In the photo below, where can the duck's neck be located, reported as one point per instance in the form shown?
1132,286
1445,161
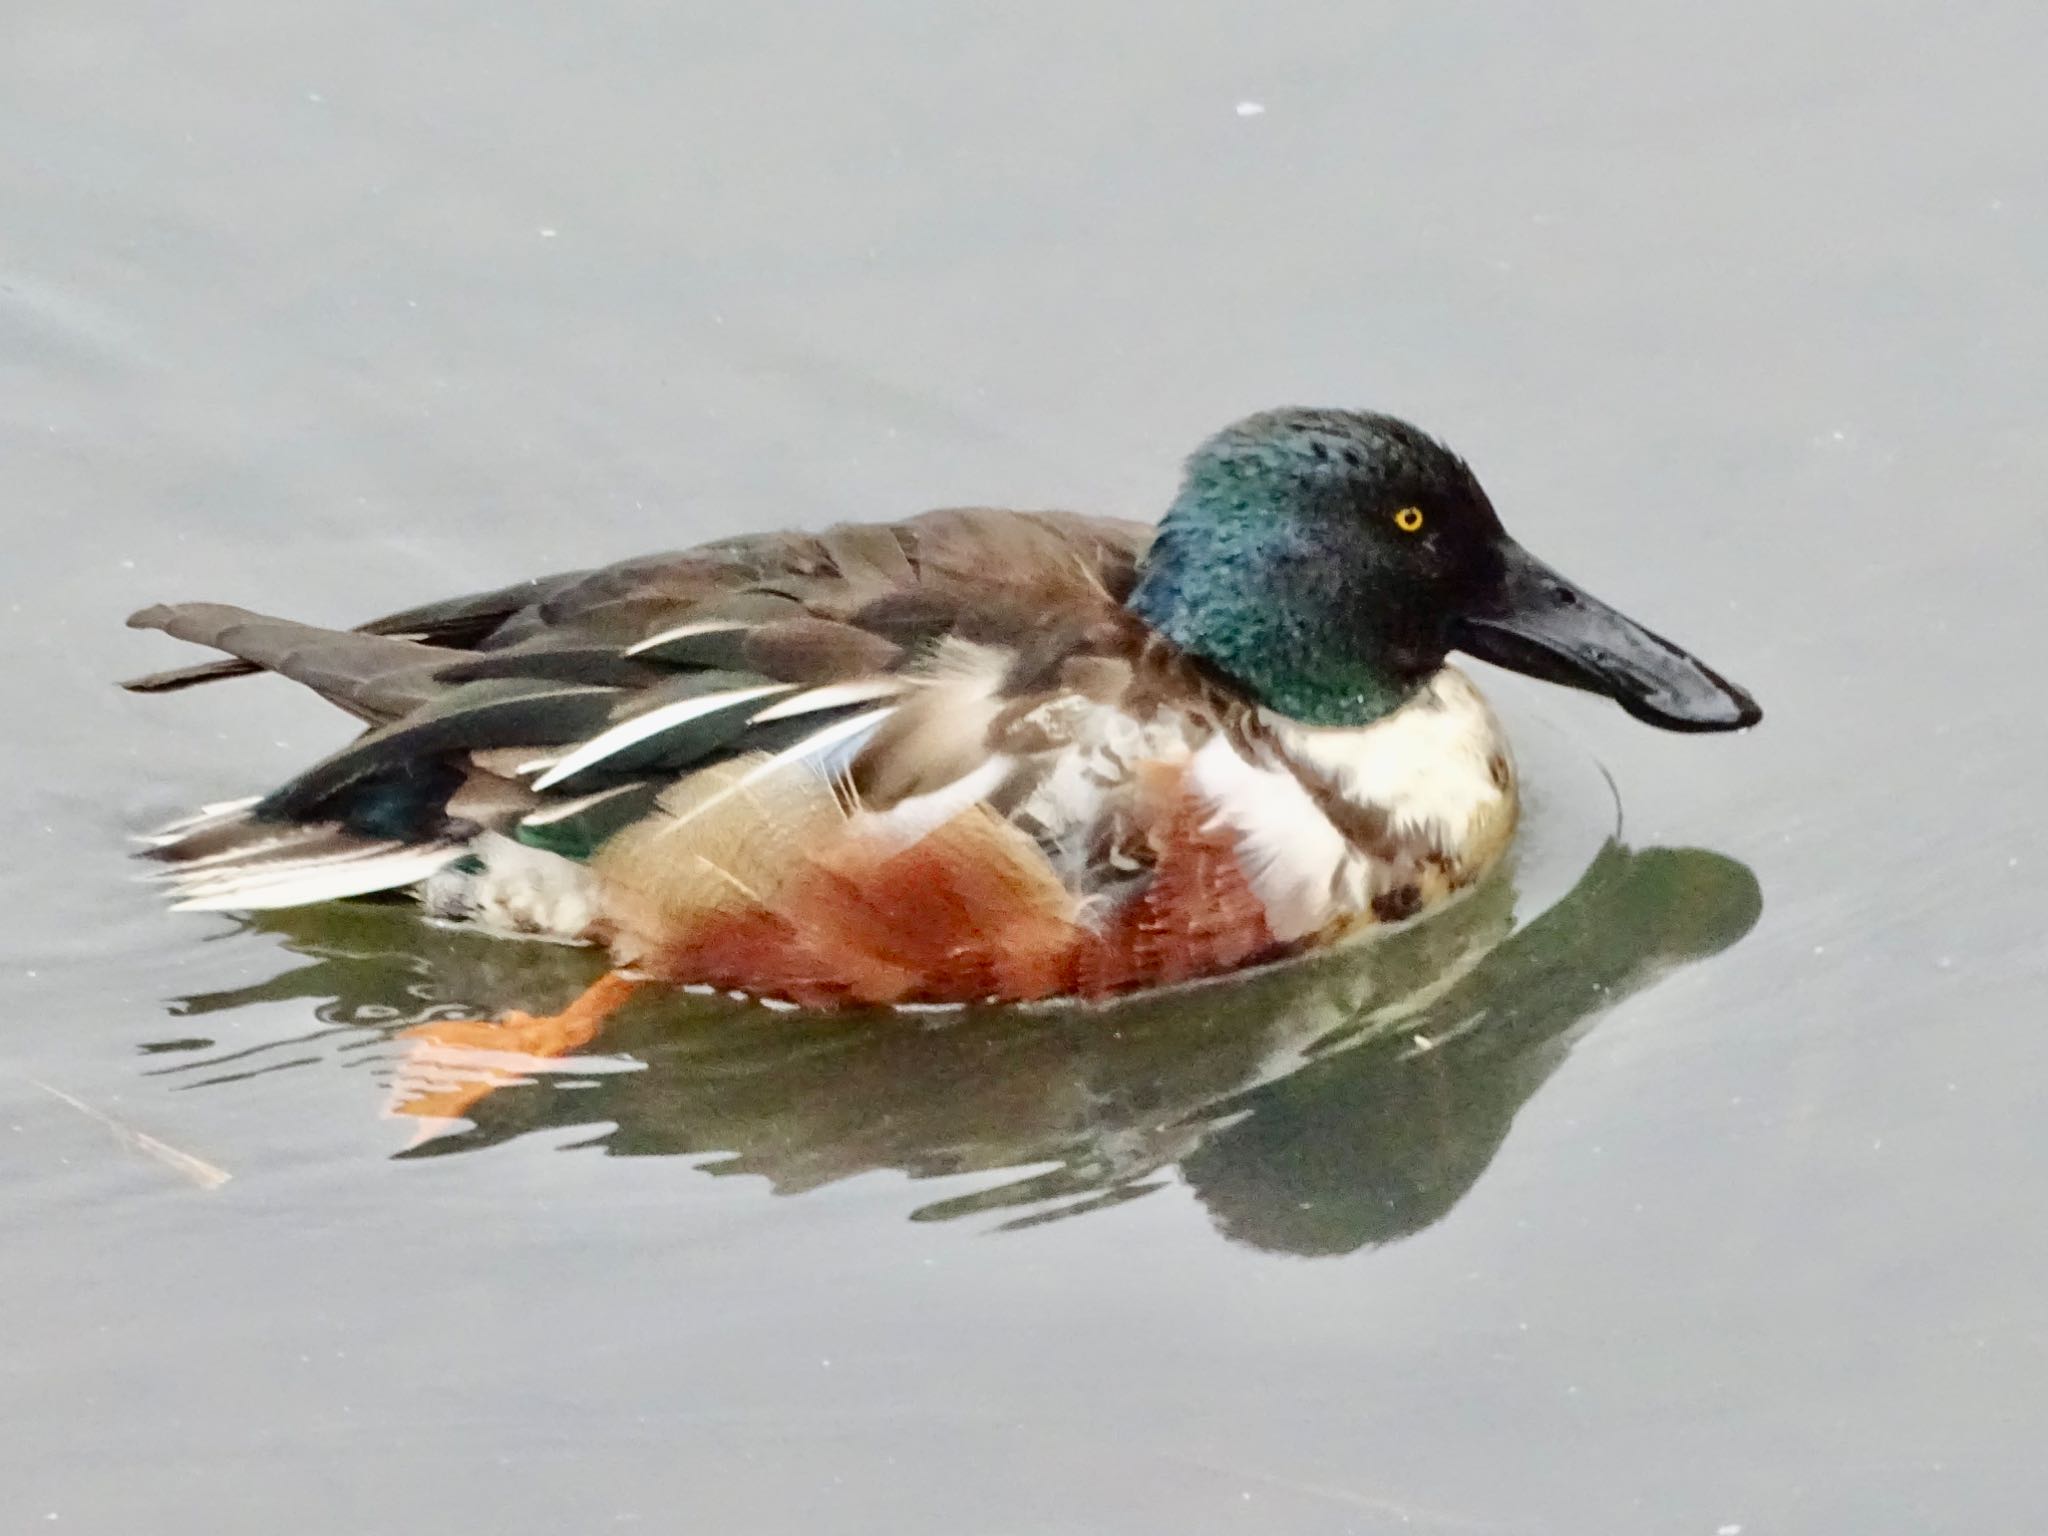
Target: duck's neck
1270,615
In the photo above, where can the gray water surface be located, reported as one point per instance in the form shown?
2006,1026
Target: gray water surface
1684,1180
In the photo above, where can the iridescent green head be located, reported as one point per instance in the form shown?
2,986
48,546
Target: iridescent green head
1328,561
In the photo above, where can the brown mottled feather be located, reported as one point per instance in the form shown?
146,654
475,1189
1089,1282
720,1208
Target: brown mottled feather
970,911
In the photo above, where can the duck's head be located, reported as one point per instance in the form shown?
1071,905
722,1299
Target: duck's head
1328,561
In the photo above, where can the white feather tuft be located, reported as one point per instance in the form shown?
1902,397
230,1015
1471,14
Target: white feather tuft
919,815
522,891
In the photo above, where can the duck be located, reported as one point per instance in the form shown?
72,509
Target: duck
973,756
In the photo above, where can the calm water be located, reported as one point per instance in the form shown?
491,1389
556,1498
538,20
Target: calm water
1686,1180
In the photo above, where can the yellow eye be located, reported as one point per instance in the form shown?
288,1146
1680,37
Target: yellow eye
1408,519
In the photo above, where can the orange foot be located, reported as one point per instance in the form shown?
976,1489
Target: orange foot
456,1062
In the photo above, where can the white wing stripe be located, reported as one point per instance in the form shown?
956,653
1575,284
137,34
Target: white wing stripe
630,733
547,816
686,632
831,696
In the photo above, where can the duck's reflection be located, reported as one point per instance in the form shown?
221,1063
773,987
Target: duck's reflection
1316,1108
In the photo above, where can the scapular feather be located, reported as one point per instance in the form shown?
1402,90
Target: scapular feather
672,735
600,665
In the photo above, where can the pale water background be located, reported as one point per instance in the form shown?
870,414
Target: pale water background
1740,312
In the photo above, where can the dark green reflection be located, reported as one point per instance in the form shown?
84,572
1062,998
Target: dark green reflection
1314,1108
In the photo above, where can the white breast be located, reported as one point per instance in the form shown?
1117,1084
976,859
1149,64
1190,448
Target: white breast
1435,773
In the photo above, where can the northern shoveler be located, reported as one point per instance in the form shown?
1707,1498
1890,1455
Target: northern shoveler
973,755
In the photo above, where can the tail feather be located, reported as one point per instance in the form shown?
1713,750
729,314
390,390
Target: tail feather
375,677
235,861
206,816
456,624
382,867
176,678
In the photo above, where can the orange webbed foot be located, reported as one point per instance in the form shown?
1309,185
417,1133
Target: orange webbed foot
451,1064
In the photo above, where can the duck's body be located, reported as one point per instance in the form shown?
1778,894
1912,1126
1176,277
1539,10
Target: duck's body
931,761
977,754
